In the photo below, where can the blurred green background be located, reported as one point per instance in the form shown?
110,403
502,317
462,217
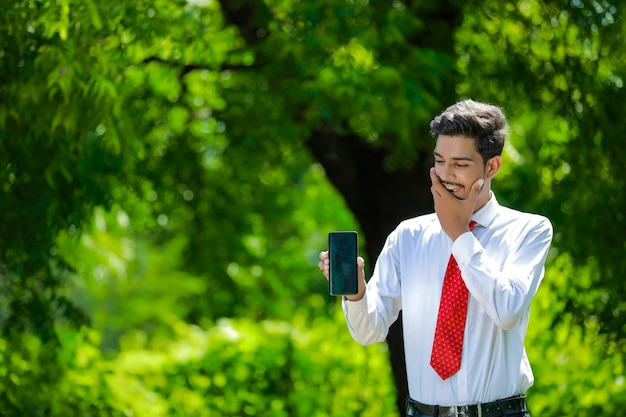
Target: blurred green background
170,169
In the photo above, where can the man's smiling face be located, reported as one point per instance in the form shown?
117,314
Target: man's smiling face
459,165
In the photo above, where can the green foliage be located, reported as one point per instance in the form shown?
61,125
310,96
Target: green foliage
126,280
230,368
346,68
161,218
572,363
558,72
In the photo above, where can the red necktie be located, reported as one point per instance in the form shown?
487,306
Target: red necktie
448,344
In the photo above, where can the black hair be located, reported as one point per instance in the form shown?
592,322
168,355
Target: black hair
480,121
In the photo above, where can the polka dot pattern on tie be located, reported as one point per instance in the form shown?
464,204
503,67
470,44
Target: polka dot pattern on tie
448,342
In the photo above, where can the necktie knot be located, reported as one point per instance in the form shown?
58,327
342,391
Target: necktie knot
472,225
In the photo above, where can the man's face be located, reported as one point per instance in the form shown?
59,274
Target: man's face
459,165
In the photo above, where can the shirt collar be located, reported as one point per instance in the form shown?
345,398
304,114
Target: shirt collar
487,214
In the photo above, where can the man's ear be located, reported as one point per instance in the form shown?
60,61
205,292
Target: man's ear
493,166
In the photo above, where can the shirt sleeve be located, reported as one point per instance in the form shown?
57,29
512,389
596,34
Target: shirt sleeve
369,318
505,290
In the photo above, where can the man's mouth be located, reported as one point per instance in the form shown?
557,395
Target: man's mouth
453,188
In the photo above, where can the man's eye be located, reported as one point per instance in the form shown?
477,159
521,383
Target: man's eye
438,161
461,165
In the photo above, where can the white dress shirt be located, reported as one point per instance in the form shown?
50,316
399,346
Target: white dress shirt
502,264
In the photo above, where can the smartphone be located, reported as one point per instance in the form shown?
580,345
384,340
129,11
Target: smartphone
342,247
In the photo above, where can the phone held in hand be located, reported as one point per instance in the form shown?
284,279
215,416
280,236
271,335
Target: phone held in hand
342,247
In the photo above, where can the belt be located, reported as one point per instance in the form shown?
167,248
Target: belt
505,407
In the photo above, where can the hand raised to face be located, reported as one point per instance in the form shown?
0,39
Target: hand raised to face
454,214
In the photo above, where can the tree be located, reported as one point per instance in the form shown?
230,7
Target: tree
198,122
366,78
563,69
113,108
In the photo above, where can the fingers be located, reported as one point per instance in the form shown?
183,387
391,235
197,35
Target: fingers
362,285
476,187
436,187
360,263
324,263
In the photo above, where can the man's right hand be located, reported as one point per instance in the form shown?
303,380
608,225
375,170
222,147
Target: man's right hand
324,265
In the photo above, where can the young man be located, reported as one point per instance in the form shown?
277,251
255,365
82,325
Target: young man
463,335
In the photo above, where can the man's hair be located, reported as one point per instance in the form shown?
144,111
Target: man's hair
480,121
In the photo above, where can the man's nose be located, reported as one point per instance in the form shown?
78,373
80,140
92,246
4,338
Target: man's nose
446,173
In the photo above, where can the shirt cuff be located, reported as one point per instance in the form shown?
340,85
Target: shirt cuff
355,306
464,247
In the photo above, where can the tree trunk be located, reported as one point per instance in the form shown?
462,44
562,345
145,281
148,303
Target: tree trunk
379,201
378,197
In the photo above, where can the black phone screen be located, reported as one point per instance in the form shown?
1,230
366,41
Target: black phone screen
342,248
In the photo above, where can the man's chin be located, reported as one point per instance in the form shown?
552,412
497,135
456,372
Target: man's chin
460,195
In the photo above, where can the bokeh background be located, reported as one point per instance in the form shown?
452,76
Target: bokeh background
170,169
